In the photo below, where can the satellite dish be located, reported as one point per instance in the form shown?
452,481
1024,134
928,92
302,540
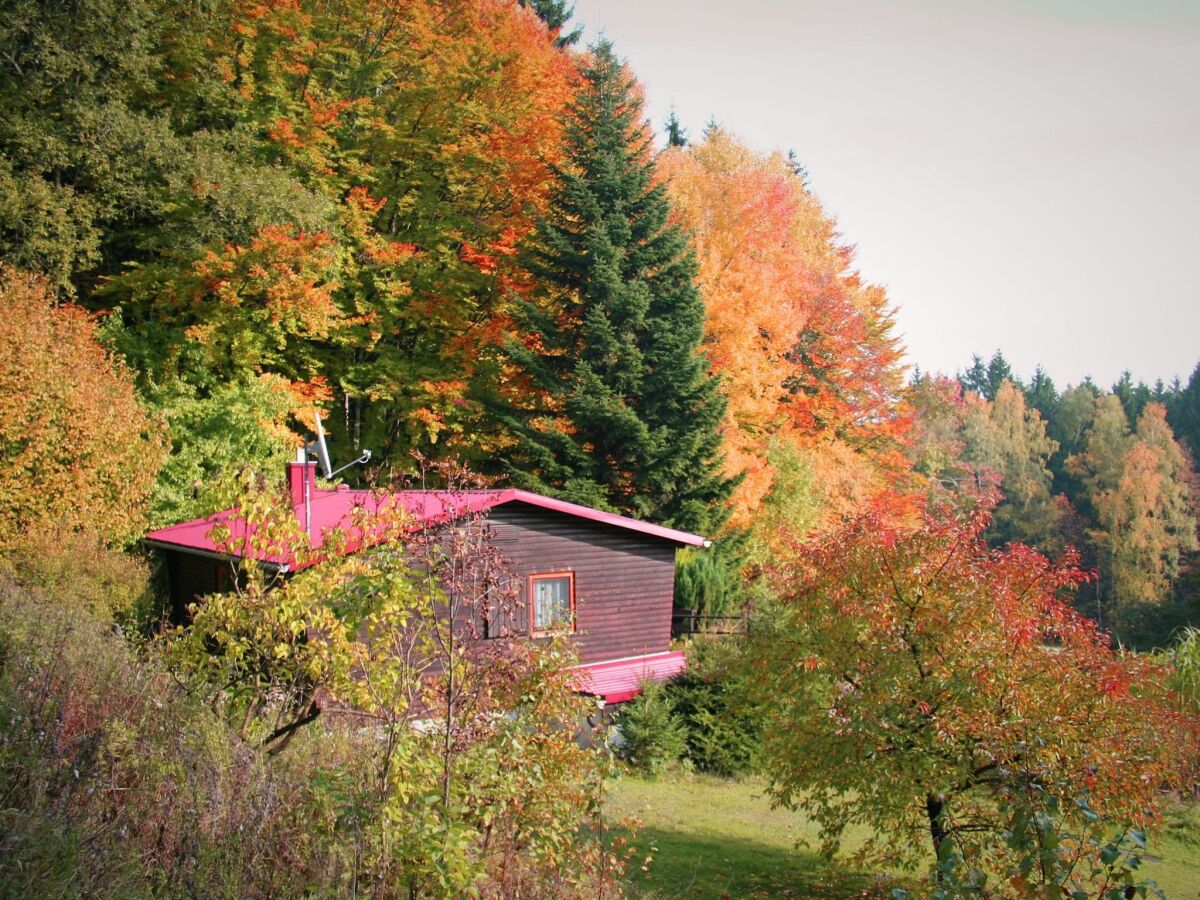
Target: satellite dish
323,451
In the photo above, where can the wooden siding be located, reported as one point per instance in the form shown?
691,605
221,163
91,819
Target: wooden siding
624,581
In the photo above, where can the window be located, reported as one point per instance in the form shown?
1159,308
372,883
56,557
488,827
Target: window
552,603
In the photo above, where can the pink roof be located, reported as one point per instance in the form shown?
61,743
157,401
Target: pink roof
622,679
329,510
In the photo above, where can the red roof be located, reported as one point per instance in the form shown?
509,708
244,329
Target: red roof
622,679
329,510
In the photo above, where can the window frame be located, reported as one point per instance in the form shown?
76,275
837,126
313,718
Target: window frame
569,628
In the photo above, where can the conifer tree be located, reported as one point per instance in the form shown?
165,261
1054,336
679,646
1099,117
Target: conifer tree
556,13
1183,412
676,133
621,411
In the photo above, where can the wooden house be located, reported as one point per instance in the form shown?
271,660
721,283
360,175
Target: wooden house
606,580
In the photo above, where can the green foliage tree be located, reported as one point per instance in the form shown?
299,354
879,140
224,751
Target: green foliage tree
676,133
619,409
236,425
84,138
1133,397
706,584
722,731
1183,412
986,380
1042,395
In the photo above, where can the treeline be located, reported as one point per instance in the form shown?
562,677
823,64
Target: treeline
1093,470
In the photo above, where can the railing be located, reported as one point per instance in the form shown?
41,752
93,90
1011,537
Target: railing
686,622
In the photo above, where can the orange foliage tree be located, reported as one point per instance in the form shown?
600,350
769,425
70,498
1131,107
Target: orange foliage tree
413,141
803,346
77,452
942,694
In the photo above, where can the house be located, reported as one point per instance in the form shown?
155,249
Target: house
607,579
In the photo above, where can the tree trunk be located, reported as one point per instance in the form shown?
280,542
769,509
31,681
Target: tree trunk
934,804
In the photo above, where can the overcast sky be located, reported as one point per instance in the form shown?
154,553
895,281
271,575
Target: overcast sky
1019,174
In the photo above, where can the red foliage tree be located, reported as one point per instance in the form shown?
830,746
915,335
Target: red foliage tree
934,690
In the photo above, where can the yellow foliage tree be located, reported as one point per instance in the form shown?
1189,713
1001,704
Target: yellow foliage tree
77,452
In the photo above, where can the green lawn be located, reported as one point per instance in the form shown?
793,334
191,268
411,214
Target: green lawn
718,838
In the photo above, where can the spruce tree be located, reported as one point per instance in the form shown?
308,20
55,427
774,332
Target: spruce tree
556,14
619,410
676,133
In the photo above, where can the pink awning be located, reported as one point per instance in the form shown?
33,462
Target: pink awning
622,679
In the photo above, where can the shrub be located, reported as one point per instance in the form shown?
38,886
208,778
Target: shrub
78,565
721,730
707,583
652,734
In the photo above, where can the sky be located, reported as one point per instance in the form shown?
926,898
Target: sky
1019,175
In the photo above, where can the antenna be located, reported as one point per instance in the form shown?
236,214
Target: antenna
322,451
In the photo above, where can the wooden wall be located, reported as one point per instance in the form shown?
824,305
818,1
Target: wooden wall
624,581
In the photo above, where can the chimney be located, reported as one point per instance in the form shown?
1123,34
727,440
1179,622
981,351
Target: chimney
299,472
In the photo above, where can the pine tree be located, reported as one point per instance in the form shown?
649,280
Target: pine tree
798,168
975,377
625,414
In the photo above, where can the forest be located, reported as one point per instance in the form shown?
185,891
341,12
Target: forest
447,227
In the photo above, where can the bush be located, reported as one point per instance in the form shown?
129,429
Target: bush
722,733
122,778
707,582
116,784
79,566
652,734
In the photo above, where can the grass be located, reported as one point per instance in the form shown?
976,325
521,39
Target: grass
1174,857
711,838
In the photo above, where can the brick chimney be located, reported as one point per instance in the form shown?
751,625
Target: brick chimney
299,472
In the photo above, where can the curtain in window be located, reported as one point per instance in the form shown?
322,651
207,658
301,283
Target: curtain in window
551,603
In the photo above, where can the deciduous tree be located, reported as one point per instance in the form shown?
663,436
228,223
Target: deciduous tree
936,691
77,451
804,348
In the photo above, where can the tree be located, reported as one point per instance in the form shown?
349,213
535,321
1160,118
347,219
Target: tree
1145,523
939,693
556,14
1133,397
1010,438
805,349
676,133
614,404
1183,412
1073,417
1138,497
77,451
1041,394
